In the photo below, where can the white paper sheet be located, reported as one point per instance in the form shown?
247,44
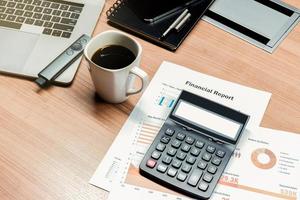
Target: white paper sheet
265,166
120,164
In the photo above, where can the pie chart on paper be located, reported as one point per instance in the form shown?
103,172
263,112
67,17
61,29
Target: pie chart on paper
263,158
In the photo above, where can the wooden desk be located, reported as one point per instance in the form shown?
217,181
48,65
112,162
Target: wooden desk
52,141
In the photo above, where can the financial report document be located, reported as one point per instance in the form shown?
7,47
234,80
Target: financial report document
121,163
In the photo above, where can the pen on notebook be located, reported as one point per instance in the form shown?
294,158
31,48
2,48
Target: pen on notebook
175,23
183,22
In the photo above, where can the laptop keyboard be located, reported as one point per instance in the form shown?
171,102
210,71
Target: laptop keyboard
51,17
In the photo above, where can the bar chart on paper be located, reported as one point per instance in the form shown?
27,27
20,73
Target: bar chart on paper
166,98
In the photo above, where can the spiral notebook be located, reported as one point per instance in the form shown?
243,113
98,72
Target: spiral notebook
125,15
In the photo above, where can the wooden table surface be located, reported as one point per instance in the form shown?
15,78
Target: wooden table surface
52,141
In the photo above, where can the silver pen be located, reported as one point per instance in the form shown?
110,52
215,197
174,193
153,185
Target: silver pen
175,23
183,22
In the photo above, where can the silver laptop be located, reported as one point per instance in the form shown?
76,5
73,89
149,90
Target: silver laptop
34,32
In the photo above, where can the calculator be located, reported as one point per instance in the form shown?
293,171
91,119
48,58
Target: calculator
194,145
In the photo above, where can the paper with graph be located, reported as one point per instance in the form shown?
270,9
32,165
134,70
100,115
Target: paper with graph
120,164
265,166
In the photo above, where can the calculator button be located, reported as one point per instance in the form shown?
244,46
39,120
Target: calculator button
181,156
195,177
155,155
216,161
195,151
171,151
167,159
220,153
172,172
203,186
207,177
189,140
176,144
181,176
206,157
202,164
212,169
151,163
180,136
191,160
160,147
162,168
186,168
199,144
165,139
210,149
185,147
176,163
169,132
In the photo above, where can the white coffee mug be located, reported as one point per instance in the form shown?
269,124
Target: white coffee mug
115,85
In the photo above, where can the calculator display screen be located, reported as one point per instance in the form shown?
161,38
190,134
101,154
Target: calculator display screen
207,119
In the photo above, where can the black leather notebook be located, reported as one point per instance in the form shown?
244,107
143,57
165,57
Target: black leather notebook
130,16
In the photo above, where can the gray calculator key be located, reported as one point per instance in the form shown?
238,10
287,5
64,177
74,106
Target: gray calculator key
176,143
181,176
180,136
172,172
181,155
186,168
160,147
169,132
167,159
199,144
207,177
216,161
155,155
220,153
195,177
212,169
162,168
210,149
176,163
203,186
185,147
206,157
202,164
195,151
165,139
191,160
171,151
189,140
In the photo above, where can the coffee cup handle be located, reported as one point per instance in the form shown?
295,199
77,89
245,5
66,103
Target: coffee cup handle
144,78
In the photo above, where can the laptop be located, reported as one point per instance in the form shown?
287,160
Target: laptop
34,32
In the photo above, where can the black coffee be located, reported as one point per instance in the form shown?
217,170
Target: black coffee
113,57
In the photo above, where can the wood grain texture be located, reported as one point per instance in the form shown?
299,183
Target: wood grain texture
52,141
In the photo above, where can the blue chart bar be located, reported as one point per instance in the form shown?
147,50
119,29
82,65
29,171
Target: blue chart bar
171,103
161,101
